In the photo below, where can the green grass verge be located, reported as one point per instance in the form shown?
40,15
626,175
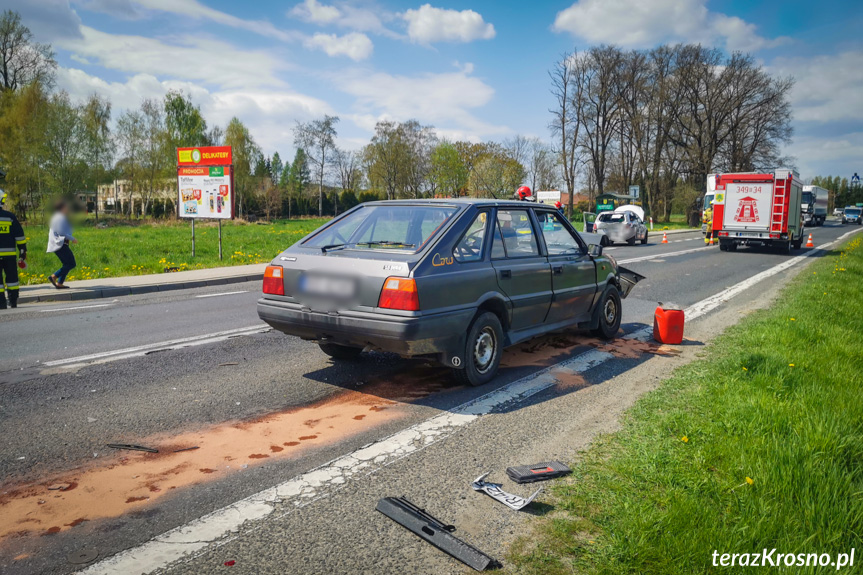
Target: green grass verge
758,445
131,248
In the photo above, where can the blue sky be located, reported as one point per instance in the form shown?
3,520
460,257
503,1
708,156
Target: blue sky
474,70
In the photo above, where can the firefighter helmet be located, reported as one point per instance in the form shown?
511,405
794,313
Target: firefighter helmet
523,193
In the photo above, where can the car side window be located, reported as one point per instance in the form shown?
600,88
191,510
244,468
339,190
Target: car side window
517,233
497,251
469,248
558,239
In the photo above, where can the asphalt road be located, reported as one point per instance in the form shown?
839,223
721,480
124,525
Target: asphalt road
264,408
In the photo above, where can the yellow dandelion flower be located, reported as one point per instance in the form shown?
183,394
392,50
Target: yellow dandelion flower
684,439
750,481
790,365
744,369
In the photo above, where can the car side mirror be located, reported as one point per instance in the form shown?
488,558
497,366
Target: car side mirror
594,250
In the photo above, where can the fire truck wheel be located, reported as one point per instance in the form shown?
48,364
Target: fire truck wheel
723,247
798,244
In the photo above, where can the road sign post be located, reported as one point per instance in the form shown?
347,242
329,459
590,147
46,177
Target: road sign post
205,186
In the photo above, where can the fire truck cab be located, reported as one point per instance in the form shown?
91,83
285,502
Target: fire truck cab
760,209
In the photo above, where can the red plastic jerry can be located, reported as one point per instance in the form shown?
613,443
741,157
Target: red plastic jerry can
668,324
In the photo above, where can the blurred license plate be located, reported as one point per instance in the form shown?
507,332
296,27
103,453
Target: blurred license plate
340,288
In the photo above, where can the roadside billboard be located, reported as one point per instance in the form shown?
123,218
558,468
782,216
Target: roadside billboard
205,183
548,197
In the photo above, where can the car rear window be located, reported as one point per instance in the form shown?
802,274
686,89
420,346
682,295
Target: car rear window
611,218
399,227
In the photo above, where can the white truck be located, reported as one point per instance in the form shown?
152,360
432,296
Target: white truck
758,209
814,205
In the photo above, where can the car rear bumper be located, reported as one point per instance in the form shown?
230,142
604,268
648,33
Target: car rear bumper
439,334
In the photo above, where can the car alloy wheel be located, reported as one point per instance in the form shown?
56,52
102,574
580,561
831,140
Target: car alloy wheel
484,349
610,311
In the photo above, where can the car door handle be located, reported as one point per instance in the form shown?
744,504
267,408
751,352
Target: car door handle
505,274
557,270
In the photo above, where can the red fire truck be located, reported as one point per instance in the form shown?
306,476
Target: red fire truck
758,209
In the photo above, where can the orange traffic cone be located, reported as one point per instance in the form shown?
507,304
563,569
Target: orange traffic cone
664,238
809,243
712,240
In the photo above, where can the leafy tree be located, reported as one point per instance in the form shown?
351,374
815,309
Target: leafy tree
295,178
276,169
184,123
245,153
23,61
448,171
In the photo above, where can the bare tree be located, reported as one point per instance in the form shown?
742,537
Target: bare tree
23,61
600,115
349,172
567,87
318,139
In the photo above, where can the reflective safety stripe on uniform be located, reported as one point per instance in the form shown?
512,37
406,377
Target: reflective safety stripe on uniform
11,286
21,240
12,253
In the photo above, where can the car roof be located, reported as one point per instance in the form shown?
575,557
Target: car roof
461,201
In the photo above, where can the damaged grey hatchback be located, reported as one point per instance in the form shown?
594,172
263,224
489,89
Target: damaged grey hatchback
452,280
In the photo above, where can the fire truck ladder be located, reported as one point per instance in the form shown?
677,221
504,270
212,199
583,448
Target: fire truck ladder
780,206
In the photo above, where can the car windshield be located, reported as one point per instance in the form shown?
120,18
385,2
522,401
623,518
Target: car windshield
612,218
708,199
399,227
852,212
807,197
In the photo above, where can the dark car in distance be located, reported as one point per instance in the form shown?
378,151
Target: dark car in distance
452,280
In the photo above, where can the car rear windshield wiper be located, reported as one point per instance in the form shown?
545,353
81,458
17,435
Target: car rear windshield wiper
386,243
331,247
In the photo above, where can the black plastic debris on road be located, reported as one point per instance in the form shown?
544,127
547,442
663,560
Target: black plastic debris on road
537,471
132,447
434,531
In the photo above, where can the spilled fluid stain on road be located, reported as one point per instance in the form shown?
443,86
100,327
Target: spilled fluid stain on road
133,481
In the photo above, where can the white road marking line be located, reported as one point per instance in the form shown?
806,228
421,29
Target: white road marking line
223,293
668,255
192,539
77,307
107,356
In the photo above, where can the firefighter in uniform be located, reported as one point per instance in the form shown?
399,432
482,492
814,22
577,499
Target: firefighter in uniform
708,220
12,242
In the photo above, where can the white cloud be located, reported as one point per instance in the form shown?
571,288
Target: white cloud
347,16
314,11
635,23
442,100
195,10
827,87
270,114
195,58
355,45
428,24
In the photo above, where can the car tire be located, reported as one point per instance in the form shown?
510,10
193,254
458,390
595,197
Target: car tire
644,241
609,310
631,241
340,352
604,241
483,350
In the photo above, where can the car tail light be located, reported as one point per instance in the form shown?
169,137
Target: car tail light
400,293
274,281
723,234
